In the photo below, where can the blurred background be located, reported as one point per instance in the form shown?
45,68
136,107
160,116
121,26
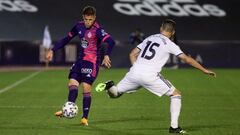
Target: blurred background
208,30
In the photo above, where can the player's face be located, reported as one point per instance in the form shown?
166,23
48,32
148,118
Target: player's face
89,20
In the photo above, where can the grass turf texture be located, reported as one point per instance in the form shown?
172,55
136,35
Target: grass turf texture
210,106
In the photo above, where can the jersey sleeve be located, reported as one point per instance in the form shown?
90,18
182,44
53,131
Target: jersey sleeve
102,35
105,37
141,45
73,31
61,43
174,49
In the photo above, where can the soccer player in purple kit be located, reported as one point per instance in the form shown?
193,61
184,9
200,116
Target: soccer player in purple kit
85,70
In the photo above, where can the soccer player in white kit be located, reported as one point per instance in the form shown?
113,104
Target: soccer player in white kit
147,60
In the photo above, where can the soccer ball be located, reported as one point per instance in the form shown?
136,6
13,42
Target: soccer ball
69,110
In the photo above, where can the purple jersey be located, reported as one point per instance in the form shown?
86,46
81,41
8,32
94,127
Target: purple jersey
85,69
91,39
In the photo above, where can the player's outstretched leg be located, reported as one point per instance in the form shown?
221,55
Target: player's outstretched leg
104,86
109,84
110,88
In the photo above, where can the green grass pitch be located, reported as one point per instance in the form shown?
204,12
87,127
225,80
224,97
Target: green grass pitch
210,106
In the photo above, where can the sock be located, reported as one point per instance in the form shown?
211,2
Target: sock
86,104
113,91
175,108
73,93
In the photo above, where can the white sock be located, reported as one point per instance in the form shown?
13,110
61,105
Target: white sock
114,91
175,108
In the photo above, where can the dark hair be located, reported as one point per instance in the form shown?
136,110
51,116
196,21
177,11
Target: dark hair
89,10
169,25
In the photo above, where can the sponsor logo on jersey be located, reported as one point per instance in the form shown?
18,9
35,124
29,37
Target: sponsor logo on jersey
178,8
103,33
86,70
17,6
84,43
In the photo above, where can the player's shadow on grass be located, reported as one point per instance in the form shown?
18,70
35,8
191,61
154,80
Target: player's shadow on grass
100,130
141,119
122,120
105,127
115,131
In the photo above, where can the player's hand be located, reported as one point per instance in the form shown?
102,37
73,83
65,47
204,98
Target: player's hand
208,72
106,61
49,55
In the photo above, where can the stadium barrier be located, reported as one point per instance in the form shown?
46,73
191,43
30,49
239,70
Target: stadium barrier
214,54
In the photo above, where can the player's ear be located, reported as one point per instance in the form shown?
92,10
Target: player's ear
173,32
94,17
161,29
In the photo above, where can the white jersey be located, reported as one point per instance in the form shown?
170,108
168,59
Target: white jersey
155,51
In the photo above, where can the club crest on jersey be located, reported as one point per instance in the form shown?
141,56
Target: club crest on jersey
84,43
89,35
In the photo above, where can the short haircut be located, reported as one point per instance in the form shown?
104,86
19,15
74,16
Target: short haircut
169,25
89,10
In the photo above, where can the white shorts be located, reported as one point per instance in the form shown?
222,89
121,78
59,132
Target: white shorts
154,83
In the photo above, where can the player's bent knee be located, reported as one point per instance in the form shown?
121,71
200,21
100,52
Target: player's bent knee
73,82
176,93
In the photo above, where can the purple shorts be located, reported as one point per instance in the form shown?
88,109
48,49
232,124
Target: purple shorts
84,71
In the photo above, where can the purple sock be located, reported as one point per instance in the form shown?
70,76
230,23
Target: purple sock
73,93
86,104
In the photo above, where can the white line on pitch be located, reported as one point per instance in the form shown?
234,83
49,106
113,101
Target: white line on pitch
28,107
19,82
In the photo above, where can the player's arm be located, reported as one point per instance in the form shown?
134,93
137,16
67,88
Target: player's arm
60,44
106,38
134,54
106,60
189,60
